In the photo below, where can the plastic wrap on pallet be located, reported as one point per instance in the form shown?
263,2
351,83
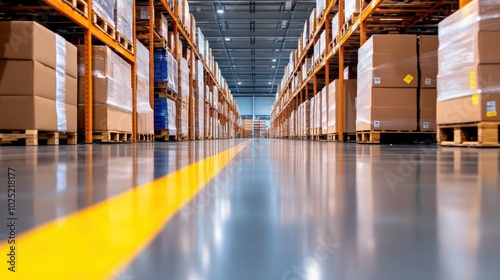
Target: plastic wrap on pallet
172,116
61,84
166,69
161,114
184,119
184,79
105,9
216,98
200,101
322,43
472,35
324,110
200,42
320,6
388,61
113,72
161,26
305,34
335,26
145,114
352,7
312,22
124,18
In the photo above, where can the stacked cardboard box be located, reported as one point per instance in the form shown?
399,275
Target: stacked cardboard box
387,83
145,115
349,106
247,127
428,68
320,6
199,111
183,109
124,18
38,72
112,91
469,65
324,111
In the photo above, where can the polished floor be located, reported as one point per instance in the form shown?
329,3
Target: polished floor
273,209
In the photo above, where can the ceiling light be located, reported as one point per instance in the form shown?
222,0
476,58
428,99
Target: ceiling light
227,39
391,19
273,66
239,83
270,83
220,9
274,59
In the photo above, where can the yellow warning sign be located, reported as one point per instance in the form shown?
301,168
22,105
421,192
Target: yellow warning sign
408,79
475,99
472,79
491,114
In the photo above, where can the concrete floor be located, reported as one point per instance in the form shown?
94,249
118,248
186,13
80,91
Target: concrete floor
285,209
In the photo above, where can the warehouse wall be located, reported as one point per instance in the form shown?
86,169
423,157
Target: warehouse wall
255,106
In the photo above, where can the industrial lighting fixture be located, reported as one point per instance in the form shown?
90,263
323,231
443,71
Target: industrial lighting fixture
270,83
391,19
220,9
273,66
239,83
274,59
227,39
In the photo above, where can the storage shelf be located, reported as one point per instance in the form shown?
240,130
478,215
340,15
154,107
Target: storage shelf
372,20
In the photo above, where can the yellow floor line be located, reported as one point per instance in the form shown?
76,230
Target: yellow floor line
98,242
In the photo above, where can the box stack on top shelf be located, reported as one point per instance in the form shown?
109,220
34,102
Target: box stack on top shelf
38,89
145,114
112,92
182,105
469,76
124,18
349,107
387,84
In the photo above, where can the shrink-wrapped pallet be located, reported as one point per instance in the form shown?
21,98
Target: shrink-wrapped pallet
124,18
145,114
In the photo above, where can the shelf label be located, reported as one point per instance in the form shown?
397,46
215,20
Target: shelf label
472,80
426,125
377,81
475,99
428,81
376,124
491,109
408,79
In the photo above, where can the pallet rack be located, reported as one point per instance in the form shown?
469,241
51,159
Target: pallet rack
80,12
170,8
342,51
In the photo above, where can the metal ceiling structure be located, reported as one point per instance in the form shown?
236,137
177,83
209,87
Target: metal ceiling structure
252,40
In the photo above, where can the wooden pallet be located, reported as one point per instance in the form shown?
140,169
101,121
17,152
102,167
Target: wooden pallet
34,137
162,135
78,5
103,25
474,134
124,42
393,137
112,136
145,137
348,137
348,24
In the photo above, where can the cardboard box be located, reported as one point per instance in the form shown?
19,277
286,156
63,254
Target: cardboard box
145,123
71,118
468,81
28,112
27,78
428,60
384,70
106,118
349,107
479,15
71,60
427,109
468,109
387,97
71,85
390,43
27,40
386,118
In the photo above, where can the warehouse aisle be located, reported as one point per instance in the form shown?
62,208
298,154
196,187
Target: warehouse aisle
278,210
312,210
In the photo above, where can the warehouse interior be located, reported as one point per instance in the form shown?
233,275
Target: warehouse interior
293,139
